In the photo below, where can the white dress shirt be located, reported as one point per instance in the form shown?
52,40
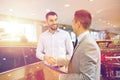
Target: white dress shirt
58,45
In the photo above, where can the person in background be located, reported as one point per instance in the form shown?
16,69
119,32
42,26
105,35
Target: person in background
55,46
85,62
107,37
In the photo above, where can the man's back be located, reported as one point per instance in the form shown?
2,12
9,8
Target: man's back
85,60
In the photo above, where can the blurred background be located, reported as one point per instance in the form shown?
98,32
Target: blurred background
22,21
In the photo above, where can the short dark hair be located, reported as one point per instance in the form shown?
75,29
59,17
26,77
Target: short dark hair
84,17
50,13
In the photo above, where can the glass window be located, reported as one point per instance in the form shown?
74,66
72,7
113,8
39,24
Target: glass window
16,31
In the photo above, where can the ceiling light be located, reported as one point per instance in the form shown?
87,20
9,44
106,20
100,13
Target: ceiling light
108,23
33,14
4,59
64,27
10,10
48,10
67,5
91,0
114,26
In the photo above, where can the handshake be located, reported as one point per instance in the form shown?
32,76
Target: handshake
60,61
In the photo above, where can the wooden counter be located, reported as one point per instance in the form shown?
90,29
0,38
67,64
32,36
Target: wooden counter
15,43
35,71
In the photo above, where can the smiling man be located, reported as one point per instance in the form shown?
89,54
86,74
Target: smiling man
55,46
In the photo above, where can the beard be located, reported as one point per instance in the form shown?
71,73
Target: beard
54,27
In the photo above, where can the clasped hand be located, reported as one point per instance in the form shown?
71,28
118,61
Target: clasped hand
50,60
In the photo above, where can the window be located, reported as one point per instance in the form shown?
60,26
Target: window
16,31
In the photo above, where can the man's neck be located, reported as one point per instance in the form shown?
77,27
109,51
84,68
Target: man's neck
52,31
81,31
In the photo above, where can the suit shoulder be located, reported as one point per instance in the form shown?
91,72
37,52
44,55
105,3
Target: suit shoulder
89,40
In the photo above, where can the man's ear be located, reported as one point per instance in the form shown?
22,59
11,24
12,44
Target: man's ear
78,24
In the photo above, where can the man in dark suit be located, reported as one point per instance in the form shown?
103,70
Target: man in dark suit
85,62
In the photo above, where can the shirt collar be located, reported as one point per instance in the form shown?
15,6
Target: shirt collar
82,35
58,29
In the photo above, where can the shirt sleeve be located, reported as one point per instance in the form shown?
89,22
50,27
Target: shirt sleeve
40,49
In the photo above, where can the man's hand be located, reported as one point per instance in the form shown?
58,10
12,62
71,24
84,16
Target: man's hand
62,62
50,60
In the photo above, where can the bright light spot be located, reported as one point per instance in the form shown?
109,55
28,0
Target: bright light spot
11,10
64,27
48,10
67,5
9,74
37,67
33,14
100,19
108,23
26,56
92,15
91,0
16,31
114,26
14,28
4,59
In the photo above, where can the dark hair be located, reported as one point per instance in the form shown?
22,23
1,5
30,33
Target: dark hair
84,17
50,13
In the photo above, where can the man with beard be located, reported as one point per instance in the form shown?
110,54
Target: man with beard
55,46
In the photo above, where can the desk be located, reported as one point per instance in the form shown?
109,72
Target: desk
35,71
